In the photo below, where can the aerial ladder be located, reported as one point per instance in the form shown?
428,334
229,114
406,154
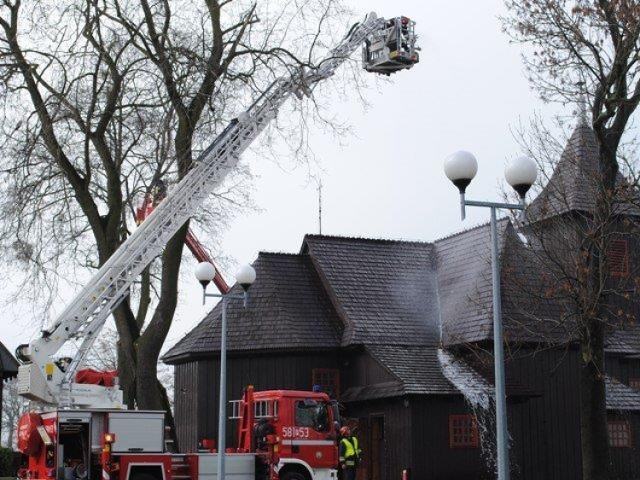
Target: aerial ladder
389,46
152,198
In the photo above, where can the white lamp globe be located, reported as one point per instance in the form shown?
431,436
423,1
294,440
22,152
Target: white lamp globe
461,167
245,276
205,272
521,174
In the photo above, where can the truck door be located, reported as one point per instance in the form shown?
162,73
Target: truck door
311,437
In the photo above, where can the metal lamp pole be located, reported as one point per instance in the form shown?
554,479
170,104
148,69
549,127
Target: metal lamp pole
245,276
502,435
222,404
461,168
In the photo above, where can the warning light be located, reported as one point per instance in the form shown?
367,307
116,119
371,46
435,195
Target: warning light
109,438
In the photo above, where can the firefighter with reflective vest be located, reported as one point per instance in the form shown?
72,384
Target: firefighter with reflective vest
349,454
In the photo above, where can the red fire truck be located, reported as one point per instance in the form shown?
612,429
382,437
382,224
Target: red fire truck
282,435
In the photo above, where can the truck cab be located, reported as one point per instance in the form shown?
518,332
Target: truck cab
293,433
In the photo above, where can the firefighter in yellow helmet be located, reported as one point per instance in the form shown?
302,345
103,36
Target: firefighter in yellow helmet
349,454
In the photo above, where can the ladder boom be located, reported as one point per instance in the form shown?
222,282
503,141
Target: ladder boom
86,314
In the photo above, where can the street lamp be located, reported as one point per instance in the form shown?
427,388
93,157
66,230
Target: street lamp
245,276
461,167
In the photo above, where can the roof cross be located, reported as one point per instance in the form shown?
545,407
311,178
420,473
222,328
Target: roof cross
582,101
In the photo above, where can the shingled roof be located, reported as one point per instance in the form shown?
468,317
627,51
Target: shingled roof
624,340
417,367
342,291
620,396
8,364
385,291
464,283
574,182
416,371
288,309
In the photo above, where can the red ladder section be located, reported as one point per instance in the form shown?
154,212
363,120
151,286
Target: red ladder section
199,252
151,200
245,427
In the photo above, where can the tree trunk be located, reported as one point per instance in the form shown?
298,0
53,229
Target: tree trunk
596,459
128,334
11,432
150,394
593,410
150,342
1,403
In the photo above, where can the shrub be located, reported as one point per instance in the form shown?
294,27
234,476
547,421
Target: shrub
6,462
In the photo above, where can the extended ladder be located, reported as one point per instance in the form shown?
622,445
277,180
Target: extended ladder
86,314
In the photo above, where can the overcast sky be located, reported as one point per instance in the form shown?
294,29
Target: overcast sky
387,181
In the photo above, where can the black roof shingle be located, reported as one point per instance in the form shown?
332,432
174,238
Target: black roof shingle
288,309
384,290
464,283
573,185
8,364
620,396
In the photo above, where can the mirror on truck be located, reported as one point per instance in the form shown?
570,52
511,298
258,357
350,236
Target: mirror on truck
335,411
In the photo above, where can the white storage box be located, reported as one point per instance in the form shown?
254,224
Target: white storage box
238,466
137,432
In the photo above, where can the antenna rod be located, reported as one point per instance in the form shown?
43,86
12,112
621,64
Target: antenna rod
320,207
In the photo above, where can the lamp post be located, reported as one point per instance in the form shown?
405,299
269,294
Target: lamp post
461,167
245,276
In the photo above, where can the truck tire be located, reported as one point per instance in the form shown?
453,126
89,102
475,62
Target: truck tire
142,476
293,475
146,472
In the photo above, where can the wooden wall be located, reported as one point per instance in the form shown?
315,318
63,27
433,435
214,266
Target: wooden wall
360,369
622,368
546,429
433,459
186,408
396,448
626,461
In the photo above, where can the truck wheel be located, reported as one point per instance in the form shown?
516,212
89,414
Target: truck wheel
293,476
142,476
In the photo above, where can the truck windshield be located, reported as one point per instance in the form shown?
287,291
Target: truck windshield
313,414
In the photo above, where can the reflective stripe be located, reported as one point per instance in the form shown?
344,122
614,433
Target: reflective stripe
105,474
308,442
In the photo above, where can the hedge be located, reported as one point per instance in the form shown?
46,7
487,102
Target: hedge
6,463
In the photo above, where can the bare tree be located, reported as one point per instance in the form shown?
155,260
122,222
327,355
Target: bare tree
102,98
588,48
13,406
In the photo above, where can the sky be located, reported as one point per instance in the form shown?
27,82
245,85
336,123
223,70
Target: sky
386,179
